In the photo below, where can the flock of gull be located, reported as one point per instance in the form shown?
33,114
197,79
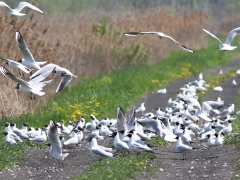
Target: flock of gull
182,122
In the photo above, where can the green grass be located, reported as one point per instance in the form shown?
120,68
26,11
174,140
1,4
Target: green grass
120,168
101,95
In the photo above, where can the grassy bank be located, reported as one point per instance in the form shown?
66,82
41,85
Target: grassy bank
102,94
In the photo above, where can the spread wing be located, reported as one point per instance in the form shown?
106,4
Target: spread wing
231,35
54,138
181,45
4,4
5,72
22,5
22,46
43,70
65,80
121,119
219,42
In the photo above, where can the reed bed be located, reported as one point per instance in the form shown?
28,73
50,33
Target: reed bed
90,43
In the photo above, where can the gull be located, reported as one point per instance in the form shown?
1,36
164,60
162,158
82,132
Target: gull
33,86
19,8
11,133
18,132
120,145
234,82
162,91
39,139
238,72
226,46
99,151
135,146
28,60
182,147
16,65
141,109
218,88
8,139
220,71
63,72
24,127
56,146
160,35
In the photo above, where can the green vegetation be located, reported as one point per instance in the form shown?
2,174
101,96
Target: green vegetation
102,94
120,168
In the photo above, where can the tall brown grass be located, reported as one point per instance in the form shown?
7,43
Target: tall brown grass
73,43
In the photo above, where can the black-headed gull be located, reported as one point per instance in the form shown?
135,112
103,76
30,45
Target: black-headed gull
16,65
28,60
33,86
226,46
99,151
63,72
160,35
56,146
8,139
21,5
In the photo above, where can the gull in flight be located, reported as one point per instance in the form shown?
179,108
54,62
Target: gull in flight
160,35
33,86
56,146
64,73
20,6
28,60
226,46
16,65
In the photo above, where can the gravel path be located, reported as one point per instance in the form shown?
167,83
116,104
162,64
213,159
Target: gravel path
202,163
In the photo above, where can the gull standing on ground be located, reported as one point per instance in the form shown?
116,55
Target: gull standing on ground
56,146
234,83
33,86
141,109
64,73
160,35
28,60
182,147
99,151
162,91
226,46
16,65
20,6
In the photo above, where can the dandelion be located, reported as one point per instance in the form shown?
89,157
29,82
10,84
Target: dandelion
155,81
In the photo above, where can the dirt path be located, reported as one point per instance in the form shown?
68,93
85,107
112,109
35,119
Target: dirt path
216,163
203,163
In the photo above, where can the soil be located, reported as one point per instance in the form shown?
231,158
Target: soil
201,163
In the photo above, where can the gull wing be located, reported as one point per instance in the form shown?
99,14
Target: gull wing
181,45
40,77
121,119
44,69
139,33
160,34
4,4
5,72
22,5
53,137
101,152
65,80
20,66
231,35
219,41
131,121
22,46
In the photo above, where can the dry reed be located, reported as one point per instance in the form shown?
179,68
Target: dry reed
71,43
